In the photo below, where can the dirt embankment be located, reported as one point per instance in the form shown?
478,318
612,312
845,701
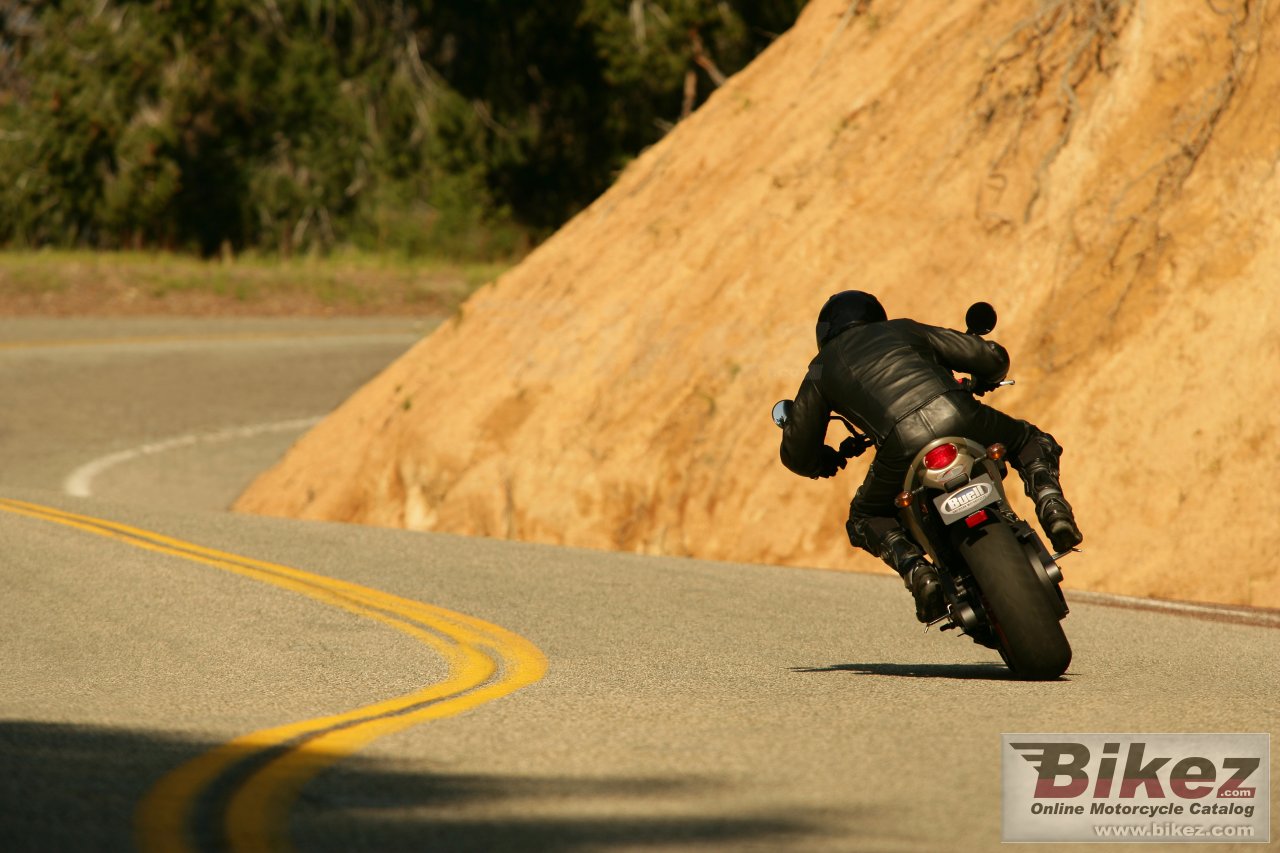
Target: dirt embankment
1104,172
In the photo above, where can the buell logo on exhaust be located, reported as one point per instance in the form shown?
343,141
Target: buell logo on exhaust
1136,787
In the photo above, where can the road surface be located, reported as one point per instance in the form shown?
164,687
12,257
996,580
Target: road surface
178,675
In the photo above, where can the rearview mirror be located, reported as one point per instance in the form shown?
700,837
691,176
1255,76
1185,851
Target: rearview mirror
980,319
782,412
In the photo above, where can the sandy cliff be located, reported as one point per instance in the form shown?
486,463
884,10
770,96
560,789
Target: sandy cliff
1104,172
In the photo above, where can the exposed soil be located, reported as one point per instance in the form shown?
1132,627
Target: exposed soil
1104,172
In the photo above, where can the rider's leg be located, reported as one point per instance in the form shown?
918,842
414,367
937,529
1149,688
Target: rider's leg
873,527
1034,455
886,539
1037,464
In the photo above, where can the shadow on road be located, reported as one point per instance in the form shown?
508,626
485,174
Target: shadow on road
76,787
982,671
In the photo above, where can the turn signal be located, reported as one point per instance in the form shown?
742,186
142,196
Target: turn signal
996,452
903,500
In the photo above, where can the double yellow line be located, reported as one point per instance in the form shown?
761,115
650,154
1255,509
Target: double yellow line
485,662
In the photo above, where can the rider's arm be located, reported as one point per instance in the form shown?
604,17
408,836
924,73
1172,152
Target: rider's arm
804,436
986,361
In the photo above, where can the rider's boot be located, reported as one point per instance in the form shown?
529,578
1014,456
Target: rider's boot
1059,522
918,575
1039,472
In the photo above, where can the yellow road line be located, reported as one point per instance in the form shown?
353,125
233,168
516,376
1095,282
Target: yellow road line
485,662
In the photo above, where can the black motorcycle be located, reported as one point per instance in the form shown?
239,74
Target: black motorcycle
1002,586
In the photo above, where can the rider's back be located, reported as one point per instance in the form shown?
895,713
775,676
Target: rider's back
878,373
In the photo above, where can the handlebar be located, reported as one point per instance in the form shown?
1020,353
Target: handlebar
968,384
854,445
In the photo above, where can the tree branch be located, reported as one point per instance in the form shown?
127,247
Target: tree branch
703,60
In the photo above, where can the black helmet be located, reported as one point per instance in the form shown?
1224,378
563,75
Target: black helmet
849,308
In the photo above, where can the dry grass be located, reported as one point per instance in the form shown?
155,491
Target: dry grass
74,282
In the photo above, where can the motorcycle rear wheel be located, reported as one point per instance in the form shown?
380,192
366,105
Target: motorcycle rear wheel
1025,622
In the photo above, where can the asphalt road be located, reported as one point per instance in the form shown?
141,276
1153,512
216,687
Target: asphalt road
174,673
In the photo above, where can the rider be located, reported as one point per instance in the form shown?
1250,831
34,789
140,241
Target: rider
893,380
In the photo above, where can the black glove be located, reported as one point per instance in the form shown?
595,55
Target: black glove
980,388
829,462
976,388
854,445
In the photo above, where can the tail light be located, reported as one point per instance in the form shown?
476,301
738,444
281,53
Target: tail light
940,457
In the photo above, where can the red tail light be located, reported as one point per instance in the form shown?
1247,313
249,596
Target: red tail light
977,518
940,457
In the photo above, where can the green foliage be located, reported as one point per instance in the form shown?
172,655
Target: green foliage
85,101
568,93
458,128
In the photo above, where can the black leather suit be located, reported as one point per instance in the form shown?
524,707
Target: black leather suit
894,381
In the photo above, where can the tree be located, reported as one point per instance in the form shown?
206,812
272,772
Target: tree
292,125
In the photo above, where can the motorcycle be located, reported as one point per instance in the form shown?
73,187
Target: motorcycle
1002,586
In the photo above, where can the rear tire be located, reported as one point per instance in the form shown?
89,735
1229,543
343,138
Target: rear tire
1025,622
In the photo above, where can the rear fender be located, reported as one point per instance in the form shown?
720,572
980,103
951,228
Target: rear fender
970,453
921,518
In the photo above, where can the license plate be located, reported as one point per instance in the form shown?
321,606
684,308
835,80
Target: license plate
965,500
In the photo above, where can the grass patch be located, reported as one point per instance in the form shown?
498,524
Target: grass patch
64,282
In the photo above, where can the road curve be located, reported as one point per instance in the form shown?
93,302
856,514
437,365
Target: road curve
685,703
485,662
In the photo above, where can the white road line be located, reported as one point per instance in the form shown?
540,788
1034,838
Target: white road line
80,481
1244,614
